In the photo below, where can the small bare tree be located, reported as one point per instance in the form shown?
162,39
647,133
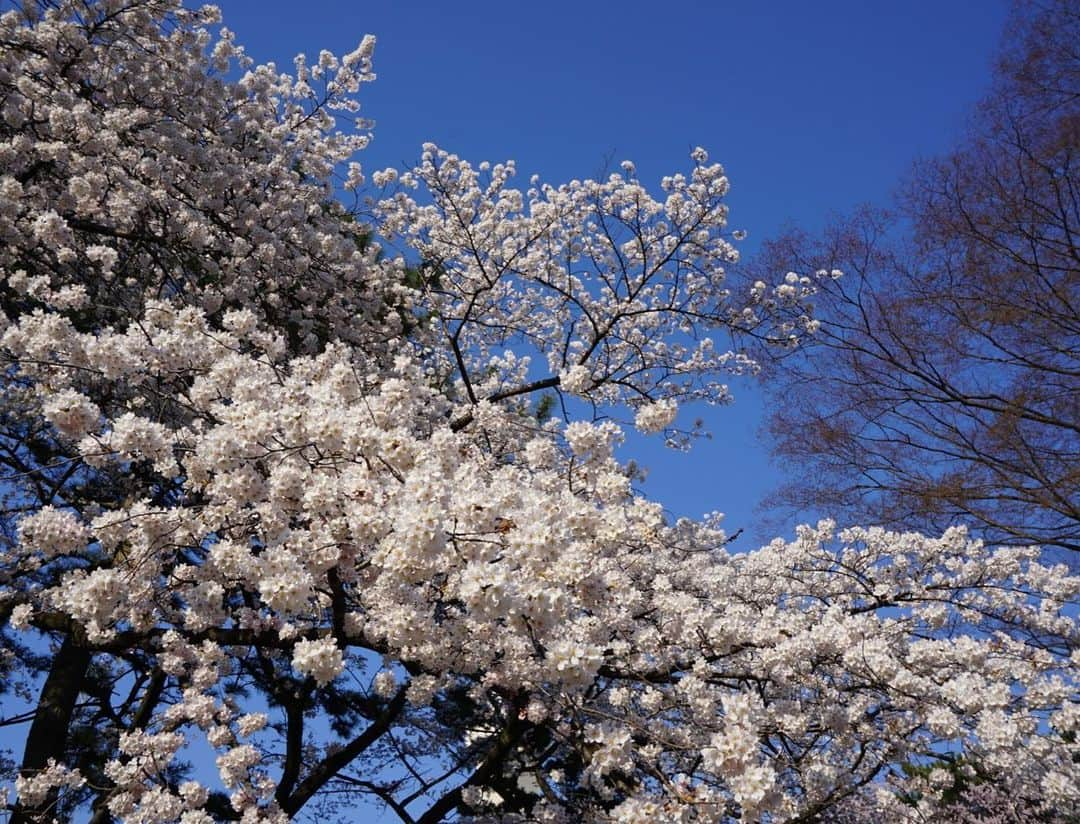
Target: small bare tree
945,384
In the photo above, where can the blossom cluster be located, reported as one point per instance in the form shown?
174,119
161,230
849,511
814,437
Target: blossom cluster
605,283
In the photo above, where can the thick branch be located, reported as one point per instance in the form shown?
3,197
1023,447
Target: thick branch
488,767
546,383
330,766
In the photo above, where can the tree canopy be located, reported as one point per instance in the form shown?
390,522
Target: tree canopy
274,487
944,385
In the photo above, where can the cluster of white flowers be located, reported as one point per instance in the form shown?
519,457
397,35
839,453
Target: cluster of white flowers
273,455
656,417
596,276
576,380
54,532
321,659
72,413
32,789
735,754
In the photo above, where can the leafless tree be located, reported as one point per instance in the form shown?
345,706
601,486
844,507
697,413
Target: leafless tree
945,383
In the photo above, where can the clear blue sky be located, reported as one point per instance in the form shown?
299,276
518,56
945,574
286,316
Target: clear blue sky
813,108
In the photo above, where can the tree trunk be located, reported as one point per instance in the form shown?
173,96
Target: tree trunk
48,734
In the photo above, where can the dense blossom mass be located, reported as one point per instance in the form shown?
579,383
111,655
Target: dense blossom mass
277,487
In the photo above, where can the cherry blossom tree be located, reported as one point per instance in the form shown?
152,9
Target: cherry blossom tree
274,487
